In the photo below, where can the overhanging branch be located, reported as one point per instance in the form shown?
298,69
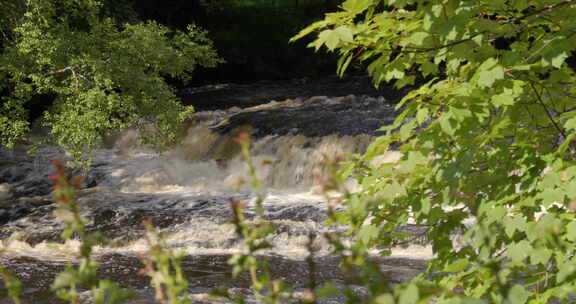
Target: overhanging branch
63,70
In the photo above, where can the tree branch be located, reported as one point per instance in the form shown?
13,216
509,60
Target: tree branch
436,48
554,123
63,70
547,10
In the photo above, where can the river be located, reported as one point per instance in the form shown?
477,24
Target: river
186,192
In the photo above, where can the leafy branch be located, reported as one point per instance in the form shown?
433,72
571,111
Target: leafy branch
64,70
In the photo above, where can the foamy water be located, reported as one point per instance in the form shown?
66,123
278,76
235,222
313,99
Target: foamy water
208,161
201,175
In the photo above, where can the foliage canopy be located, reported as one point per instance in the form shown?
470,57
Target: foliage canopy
487,138
104,75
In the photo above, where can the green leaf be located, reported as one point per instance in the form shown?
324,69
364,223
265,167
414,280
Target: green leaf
343,64
416,38
384,299
559,59
566,270
327,290
540,256
513,224
519,251
460,113
517,295
392,190
330,38
428,68
422,115
504,99
496,214
487,78
471,301
368,233
551,180
309,29
555,51
414,159
407,130
344,34
457,266
570,123
356,6
488,64
333,38
64,280
489,72
410,295
394,73
551,195
446,124
571,231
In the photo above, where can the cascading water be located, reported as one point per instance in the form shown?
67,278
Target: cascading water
186,191
207,161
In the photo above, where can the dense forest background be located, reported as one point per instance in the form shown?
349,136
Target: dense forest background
252,36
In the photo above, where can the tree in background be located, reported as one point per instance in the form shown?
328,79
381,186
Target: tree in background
101,74
264,54
10,13
488,135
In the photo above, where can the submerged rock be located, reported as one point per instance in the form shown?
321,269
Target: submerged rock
5,192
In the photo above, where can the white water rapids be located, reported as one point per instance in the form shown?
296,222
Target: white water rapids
192,184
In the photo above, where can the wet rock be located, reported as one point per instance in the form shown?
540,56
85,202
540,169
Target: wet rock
313,117
27,175
222,96
303,213
5,192
204,272
12,210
